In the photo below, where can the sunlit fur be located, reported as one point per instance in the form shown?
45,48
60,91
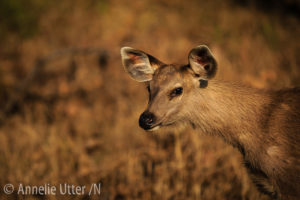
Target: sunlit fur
264,125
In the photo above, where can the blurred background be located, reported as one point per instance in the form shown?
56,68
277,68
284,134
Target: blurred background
69,113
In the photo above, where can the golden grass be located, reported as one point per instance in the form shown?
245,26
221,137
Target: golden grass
78,120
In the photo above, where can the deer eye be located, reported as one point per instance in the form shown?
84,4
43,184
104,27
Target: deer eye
176,92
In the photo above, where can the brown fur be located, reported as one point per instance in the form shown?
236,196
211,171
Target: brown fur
263,125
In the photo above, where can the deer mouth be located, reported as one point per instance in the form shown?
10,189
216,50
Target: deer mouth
159,125
155,128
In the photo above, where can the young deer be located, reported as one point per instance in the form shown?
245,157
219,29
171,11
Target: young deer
263,125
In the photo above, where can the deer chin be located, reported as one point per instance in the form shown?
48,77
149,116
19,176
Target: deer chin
155,128
160,125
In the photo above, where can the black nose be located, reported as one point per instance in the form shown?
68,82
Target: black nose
146,120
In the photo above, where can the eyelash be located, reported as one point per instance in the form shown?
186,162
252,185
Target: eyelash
176,92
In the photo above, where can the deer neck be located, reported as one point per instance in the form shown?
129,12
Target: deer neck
231,111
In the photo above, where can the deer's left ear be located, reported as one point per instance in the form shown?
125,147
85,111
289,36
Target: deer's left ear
138,64
202,62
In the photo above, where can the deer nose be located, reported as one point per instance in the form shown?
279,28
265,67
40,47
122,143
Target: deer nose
146,120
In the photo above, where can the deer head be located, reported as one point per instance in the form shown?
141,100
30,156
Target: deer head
171,87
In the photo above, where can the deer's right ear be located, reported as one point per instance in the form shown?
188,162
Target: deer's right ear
138,64
203,62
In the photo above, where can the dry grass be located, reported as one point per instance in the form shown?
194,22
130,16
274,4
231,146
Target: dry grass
76,122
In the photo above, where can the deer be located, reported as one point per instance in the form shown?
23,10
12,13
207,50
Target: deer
264,125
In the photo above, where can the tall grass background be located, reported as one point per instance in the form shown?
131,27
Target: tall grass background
69,112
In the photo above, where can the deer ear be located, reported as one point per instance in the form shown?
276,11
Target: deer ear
138,64
202,62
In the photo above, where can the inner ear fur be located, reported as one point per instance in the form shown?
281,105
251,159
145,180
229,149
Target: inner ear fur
140,65
202,62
